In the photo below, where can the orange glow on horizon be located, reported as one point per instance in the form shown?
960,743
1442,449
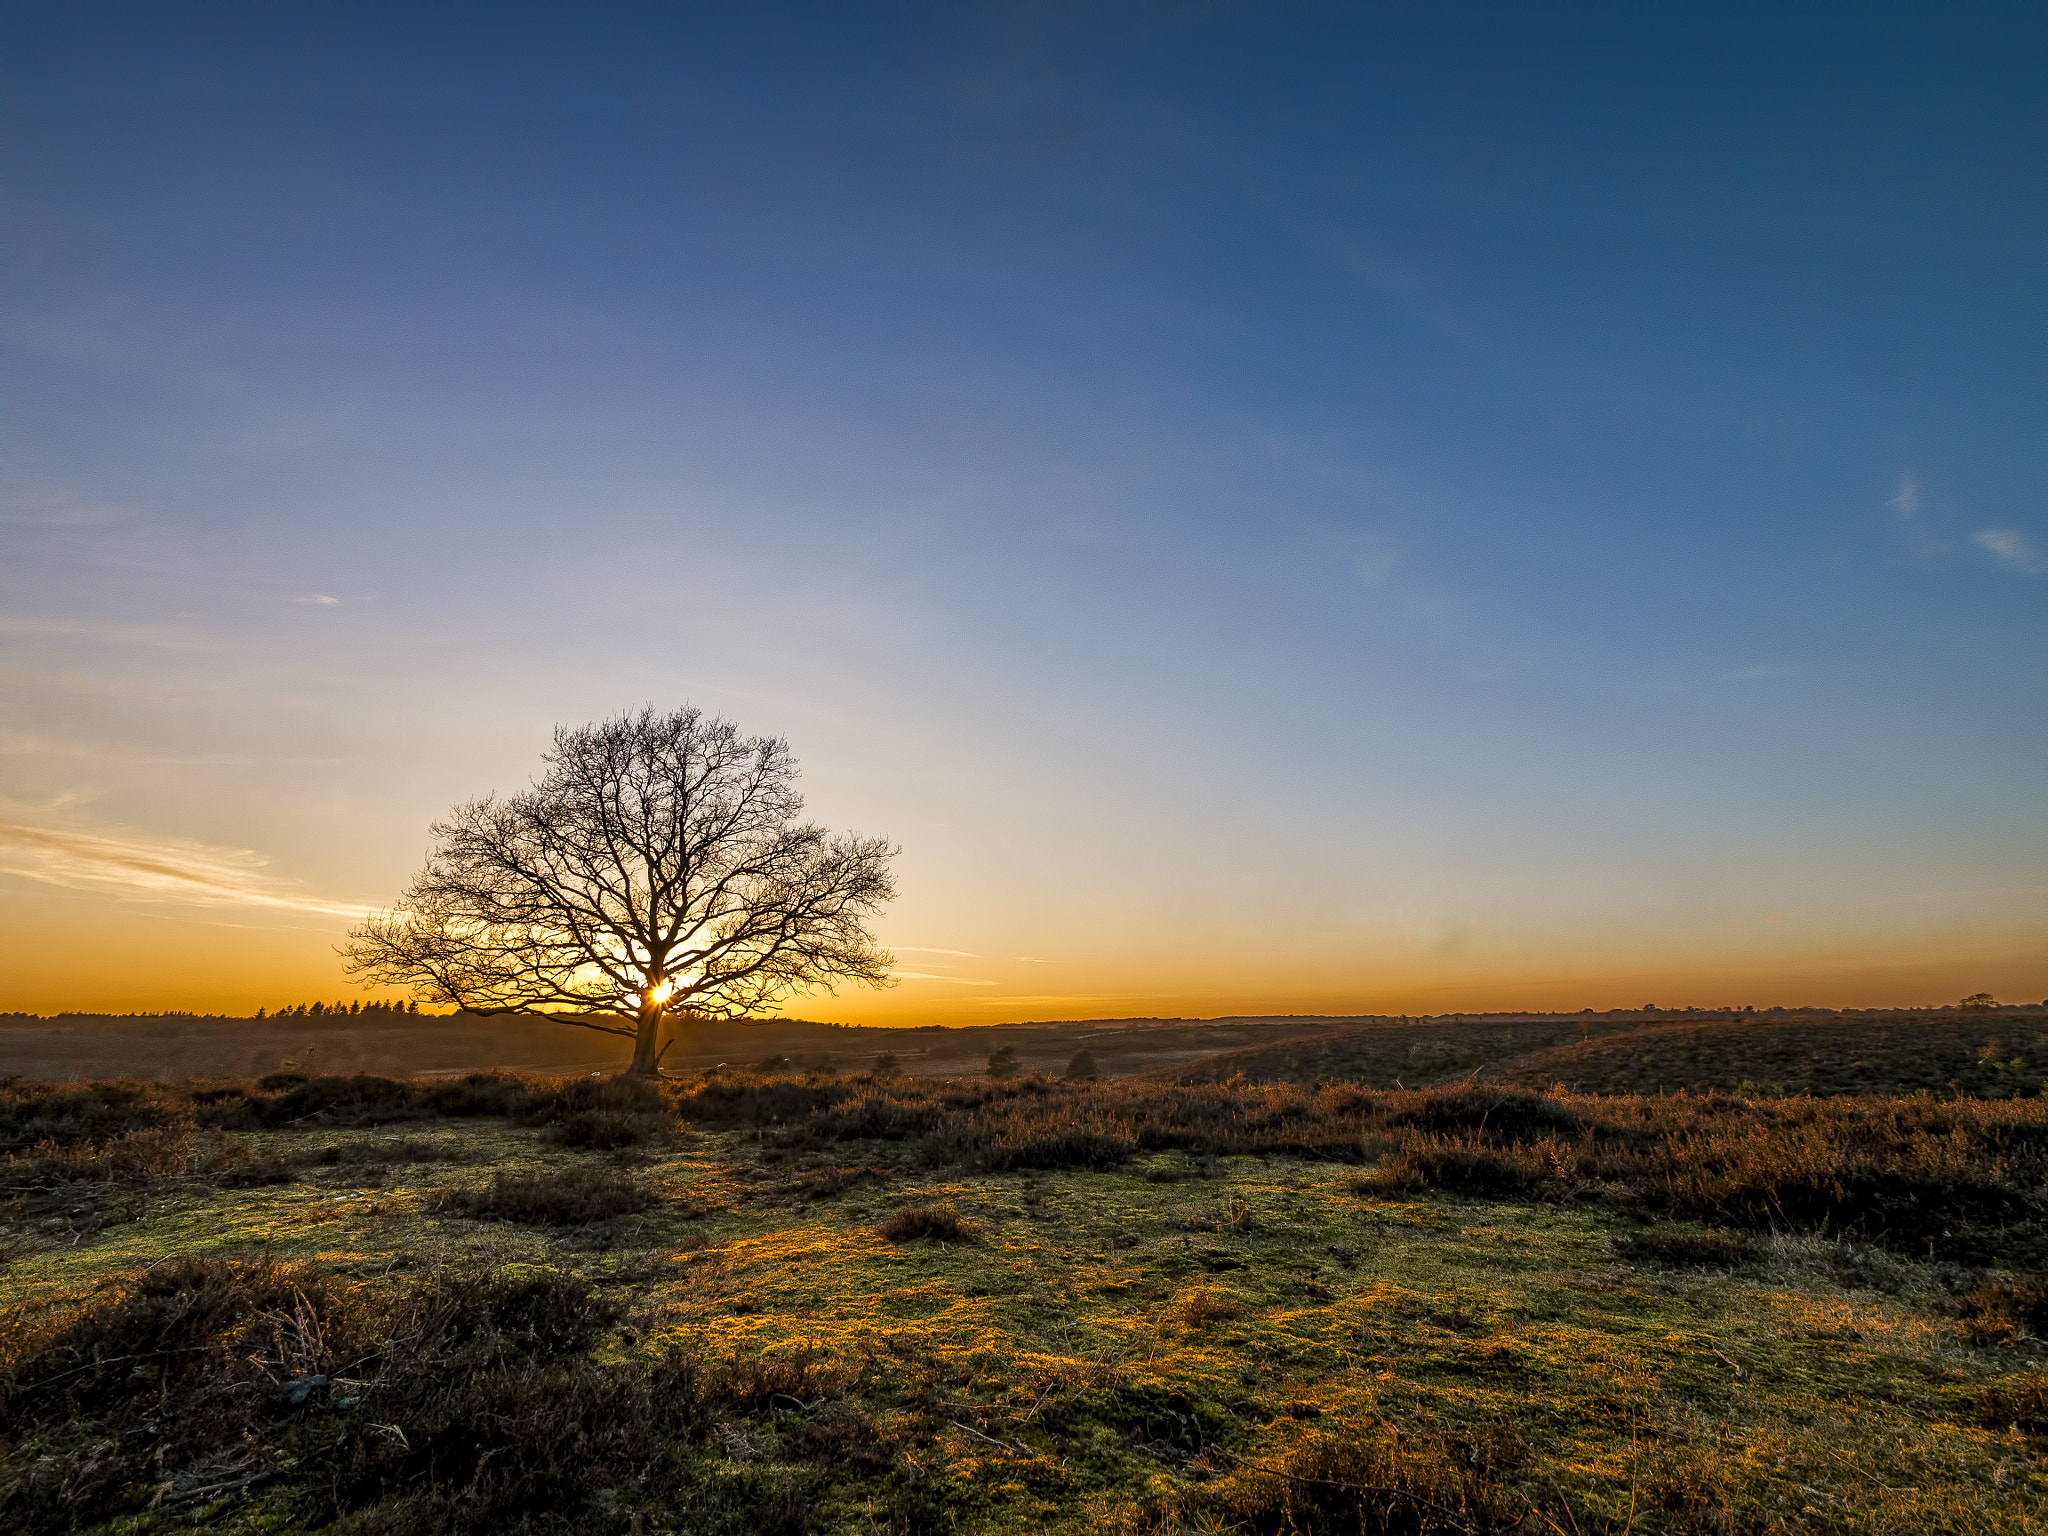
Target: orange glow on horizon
204,962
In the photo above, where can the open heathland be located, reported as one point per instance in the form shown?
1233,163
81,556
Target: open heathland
393,1043
1989,1051
772,1302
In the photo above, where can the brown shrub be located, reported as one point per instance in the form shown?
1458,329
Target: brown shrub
2001,1312
89,1184
602,1130
569,1197
478,1094
1958,1179
81,1114
1961,1180
843,1433
167,1325
1693,1483
1454,1164
285,1100
822,1183
1385,1485
1206,1306
1488,1113
791,1380
2021,1404
459,1403
940,1222
550,1102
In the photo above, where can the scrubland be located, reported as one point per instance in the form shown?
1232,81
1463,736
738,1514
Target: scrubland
172,1047
767,1302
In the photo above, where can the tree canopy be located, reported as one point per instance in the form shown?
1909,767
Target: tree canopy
657,867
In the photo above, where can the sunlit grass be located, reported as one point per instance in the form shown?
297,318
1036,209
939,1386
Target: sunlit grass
1131,1347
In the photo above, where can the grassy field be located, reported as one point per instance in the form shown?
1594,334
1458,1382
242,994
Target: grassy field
168,1047
774,1303
1992,1053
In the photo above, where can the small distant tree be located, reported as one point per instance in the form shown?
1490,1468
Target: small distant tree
657,867
886,1064
1002,1061
1082,1068
1979,1002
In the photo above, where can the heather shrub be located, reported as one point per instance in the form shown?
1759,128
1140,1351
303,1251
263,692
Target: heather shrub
619,1095
1956,1179
75,1114
1489,1113
460,1403
569,1197
296,1101
1371,1485
1454,1164
601,1130
821,1183
477,1094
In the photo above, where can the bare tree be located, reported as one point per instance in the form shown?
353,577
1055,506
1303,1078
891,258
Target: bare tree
656,868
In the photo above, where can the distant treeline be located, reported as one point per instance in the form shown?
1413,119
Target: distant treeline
382,1007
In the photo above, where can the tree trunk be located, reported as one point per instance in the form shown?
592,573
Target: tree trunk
645,1058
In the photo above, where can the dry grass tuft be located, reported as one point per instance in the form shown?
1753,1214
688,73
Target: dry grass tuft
1205,1305
2020,1405
2004,1312
939,1222
1375,1484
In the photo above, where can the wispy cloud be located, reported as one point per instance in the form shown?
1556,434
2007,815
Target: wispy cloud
145,869
165,637
2014,549
958,981
925,949
60,507
1907,502
318,600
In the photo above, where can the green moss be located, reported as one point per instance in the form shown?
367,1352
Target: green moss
1111,1343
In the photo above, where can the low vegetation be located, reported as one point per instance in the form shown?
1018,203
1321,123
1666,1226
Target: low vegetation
782,1302
1975,1051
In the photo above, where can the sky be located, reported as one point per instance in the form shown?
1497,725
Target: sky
1275,508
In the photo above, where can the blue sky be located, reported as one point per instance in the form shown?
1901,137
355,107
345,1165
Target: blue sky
1278,507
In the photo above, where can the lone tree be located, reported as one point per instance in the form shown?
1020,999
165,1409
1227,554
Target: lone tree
656,868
